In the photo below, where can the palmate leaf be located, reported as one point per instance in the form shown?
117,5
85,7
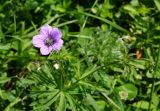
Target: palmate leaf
118,100
25,82
102,91
62,103
6,95
42,77
47,98
54,74
40,93
72,102
46,102
111,101
89,71
87,84
140,64
47,74
92,102
15,101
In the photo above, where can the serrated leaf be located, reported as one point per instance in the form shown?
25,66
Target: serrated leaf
45,103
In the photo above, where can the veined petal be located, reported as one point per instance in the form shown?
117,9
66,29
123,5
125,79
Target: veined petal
45,50
58,45
45,30
48,39
38,41
56,33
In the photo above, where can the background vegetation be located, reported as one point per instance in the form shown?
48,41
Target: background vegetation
109,60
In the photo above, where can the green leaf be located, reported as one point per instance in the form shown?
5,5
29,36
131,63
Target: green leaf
4,79
141,104
43,77
89,71
106,10
45,102
5,95
131,9
107,21
25,82
155,99
62,103
5,47
15,101
110,100
25,44
130,89
71,101
101,104
92,102
140,64
157,3
135,2
86,84
118,100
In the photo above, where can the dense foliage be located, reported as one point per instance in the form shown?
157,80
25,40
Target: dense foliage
110,59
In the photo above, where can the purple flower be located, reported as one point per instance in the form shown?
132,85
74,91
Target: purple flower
49,39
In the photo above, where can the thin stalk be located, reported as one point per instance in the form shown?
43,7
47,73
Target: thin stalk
153,82
111,101
54,18
81,36
15,101
15,24
85,21
62,77
36,30
108,22
96,69
62,73
66,23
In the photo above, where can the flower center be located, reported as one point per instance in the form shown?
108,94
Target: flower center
49,41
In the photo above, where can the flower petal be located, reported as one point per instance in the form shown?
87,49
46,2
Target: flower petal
56,33
38,40
45,30
45,50
58,45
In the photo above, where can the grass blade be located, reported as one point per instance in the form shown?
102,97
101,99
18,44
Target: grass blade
107,21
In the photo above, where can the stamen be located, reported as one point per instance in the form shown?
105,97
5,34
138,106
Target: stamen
49,41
